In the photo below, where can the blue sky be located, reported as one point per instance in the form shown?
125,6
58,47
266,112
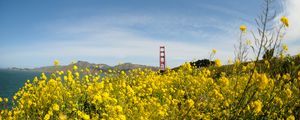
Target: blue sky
33,33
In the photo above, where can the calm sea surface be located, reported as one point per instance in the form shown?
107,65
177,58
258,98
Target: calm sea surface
12,80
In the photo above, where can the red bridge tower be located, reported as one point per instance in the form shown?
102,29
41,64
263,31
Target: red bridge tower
162,58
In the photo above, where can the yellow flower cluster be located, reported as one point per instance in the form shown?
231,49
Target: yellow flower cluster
257,105
188,93
285,21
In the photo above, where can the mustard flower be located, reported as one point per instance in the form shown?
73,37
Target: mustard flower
75,67
47,117
190,103
56,62
243,28
85,117
263,81
291,117
122,117
55,107
218,63
77,75
285,47
62,116
285,21
278,101
218,94
248,42
119,109
43,76
257,105
288,92
287,77
214,51
225,81
5,99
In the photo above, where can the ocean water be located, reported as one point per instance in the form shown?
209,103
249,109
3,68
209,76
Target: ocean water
12,80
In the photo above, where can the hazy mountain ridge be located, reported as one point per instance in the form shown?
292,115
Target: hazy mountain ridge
93,67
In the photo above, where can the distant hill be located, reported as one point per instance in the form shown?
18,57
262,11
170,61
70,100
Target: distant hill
93,67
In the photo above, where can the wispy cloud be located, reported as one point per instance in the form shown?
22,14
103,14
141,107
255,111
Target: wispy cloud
113,44
118,37
292,8
136,37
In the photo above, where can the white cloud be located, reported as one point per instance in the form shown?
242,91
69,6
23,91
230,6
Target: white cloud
185,38
119,44
292,8
118,34
91,40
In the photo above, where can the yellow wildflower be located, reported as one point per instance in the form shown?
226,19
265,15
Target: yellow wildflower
56,62
62,116
263,81
285,21
29,102
181,92
122,117
243,28
77,75
248,42
86,117
278,101
257,105
43,76
218,94
286,77
47,117
55,107
190,103
5,100
218,63
224,81
288,92
285,47
1,100
291,117
75,68
214,51
119,109
83,115
267,63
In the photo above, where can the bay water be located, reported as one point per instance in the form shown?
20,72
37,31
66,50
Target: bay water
11,81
